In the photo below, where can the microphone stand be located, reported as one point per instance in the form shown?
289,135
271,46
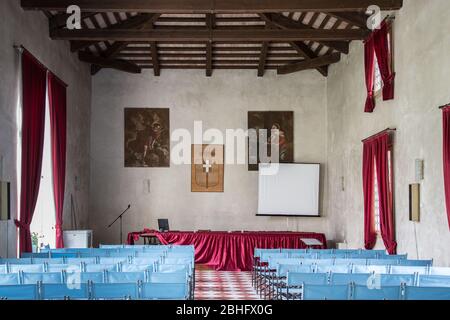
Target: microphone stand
120,218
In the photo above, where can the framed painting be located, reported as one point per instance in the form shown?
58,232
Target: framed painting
147,138
207,172
270,120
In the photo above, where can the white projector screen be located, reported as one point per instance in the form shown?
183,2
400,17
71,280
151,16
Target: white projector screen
292,191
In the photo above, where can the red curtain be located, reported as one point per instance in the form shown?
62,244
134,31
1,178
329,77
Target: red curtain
382,146
376,151
57,106
446,151
33,123
383,52
369,62
370,236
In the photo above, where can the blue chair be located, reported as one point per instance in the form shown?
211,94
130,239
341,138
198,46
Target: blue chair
174,268
360,262
3,268
147,261
48,261
113,260
298,279
427,293
83,277
90,260
434,281
394,279
99,267
63,267
283,269
408,270
164,291
439,271
14,268
136,267
161,277
63,255
325,292
18,292
34,278
376,293
124,277
111,246
78,291
333,268
302,255
382,262
115,291
347,278
16,261
42,255
370,269
9,279
418,263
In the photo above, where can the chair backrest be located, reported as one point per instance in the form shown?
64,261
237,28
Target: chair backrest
162,277
149,260
304,255
360,262
258,252
347,278
434,281
64,254
325,292
83,277
294,251
63,267
265,256
408,270
14,268
136,267
16,261
427,293
8,279
370,269
3,268
124,277
115,291
333,268
89,260
48,260
79,291
274,262
100,267
174,268
382,262
18,292
376,293
443,271
393,279
167,291
180,260
34,255
111,246
283,269
418,263
47,277
113,260
298,279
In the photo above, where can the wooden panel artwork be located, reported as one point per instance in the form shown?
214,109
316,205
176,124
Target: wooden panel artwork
207,168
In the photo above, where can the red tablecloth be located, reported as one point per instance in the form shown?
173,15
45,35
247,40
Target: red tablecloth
232,251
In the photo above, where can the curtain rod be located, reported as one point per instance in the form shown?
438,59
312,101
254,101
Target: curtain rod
444,106
21,49
379,133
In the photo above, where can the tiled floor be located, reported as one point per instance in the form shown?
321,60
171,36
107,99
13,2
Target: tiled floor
224,285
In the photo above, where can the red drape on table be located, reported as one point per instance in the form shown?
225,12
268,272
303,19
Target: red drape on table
384,193
370,235
369,65
33,124
233,251
57,106
446,160
376,150
383,53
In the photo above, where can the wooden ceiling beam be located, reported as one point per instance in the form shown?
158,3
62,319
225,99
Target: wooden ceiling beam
310,64
97,35
283,22
262,59
60,20
208,6
122,65
210,24
355,19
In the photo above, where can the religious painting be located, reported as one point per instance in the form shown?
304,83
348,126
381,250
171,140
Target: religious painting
207,172
283,121
147,138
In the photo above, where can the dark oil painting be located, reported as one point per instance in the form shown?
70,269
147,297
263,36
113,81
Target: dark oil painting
269,120
147,137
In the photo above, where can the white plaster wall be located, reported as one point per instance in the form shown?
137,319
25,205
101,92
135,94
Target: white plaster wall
221,102
422,44
31,30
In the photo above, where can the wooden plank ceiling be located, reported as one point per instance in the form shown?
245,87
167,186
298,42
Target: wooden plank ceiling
284,35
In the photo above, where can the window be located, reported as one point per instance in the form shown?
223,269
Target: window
376,204
378,81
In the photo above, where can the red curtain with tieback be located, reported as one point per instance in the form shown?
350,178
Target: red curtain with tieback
33,124
57,106
375,158
369,64
383,52
446,160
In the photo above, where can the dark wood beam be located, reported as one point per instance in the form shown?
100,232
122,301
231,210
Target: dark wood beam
262,59
355,19
310,64
308,54
60,20
208,6
210,24
284,22
121,65
206,35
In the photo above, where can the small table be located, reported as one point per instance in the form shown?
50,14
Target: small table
150,239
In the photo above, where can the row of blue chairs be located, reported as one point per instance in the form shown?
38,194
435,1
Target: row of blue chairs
96,291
